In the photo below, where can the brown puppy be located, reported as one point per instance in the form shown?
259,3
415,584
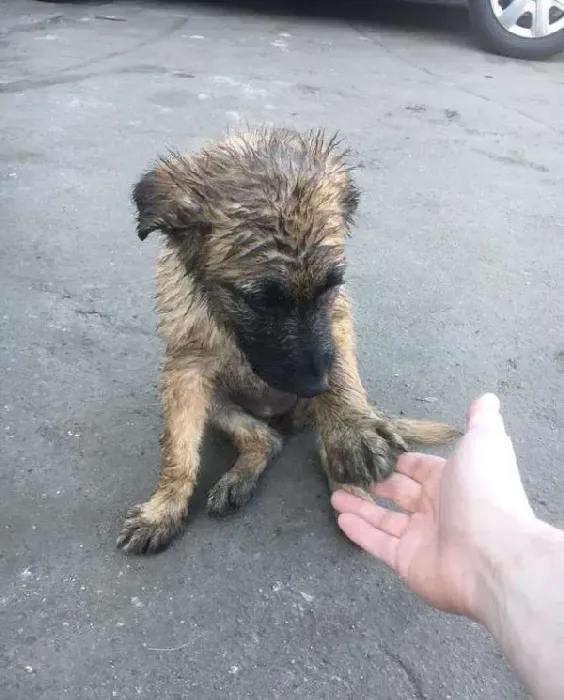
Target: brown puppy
255,321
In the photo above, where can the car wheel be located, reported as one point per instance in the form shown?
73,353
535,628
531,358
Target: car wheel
527,29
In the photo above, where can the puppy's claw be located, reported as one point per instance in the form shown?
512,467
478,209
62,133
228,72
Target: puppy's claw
141,535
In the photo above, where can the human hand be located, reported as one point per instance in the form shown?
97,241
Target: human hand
459,514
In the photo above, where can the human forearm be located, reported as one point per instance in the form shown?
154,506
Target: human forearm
520,599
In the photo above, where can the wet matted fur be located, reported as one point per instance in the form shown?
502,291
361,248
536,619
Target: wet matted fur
255,321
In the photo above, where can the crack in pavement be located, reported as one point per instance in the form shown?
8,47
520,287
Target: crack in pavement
35,25
412,677
108,320
104,317
19,86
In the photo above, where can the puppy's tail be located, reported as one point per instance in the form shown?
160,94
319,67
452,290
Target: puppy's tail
424,432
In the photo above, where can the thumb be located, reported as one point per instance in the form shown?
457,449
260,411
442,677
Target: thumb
489,451
484,414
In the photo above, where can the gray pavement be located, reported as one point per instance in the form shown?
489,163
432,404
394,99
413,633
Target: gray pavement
457,274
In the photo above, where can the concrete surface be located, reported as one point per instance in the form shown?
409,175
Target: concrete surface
457,272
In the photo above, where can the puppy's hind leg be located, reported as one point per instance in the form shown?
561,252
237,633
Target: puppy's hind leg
256,443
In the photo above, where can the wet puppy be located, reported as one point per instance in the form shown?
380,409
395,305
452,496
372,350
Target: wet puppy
255,321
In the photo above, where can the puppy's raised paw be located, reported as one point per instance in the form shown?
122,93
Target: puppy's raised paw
361,451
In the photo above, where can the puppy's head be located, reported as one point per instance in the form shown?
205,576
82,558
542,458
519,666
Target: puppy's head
260,220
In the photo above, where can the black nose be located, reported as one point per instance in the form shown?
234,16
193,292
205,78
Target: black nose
313,387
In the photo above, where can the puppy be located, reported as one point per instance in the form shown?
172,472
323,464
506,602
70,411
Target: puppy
255,321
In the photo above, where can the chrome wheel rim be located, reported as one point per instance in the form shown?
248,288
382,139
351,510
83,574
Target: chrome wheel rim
530,19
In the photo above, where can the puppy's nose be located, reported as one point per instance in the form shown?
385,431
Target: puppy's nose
314,386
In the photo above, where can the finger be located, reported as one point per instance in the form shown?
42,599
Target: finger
419,466
375,542
484,414
401,489
386,520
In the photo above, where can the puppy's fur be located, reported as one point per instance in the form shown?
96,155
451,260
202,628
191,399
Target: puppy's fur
255,321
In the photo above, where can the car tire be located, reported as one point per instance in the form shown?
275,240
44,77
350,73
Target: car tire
496,39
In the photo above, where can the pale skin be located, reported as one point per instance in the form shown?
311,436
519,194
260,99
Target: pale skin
468,542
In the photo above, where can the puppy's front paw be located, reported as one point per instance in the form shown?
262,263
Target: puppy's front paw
361,451
147,532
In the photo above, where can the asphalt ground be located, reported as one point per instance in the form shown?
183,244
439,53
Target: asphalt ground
456,269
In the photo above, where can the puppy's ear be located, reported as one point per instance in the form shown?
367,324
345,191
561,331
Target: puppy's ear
166,202
351,200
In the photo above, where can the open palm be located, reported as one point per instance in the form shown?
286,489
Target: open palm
411,542
450,508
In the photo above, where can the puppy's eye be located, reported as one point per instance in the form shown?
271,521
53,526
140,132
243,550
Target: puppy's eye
268,296
334,279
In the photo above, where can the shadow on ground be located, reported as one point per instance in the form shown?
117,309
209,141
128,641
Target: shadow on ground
447,22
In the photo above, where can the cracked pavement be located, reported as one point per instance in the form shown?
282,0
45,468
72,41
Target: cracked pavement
456,271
